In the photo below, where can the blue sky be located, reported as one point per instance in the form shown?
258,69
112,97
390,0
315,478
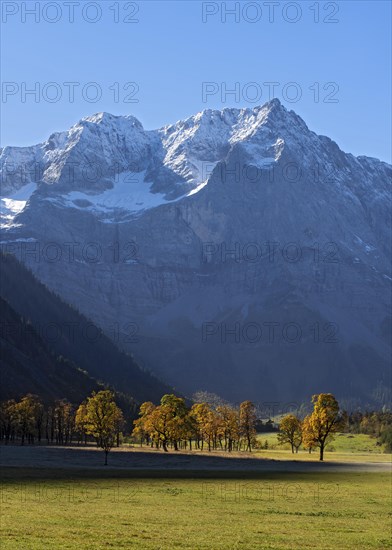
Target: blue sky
339,72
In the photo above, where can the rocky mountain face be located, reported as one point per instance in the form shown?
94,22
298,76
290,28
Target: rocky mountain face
235,251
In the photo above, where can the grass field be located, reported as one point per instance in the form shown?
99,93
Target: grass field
344,447
272,511
57,498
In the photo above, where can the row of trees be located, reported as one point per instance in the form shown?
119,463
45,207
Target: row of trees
315,430
29,421
223,427
172,424
375,423
370,422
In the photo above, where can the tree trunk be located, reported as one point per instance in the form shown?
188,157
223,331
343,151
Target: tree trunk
322,452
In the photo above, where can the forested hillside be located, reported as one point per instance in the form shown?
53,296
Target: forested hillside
65,332
28,365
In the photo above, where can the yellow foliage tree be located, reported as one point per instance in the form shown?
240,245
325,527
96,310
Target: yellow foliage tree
141,427
325,420
290,431
228,425
102,420
203,417
308,439
158,424
247,426
81,422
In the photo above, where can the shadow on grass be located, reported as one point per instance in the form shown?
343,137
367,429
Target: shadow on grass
78,462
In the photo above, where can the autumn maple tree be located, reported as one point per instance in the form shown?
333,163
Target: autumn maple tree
325,420
247,427
102,420
290,431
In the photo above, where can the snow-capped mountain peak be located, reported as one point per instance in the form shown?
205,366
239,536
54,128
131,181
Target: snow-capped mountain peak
198,201
170,163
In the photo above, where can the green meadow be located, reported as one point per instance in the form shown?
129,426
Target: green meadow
79,507
344,447
60,509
